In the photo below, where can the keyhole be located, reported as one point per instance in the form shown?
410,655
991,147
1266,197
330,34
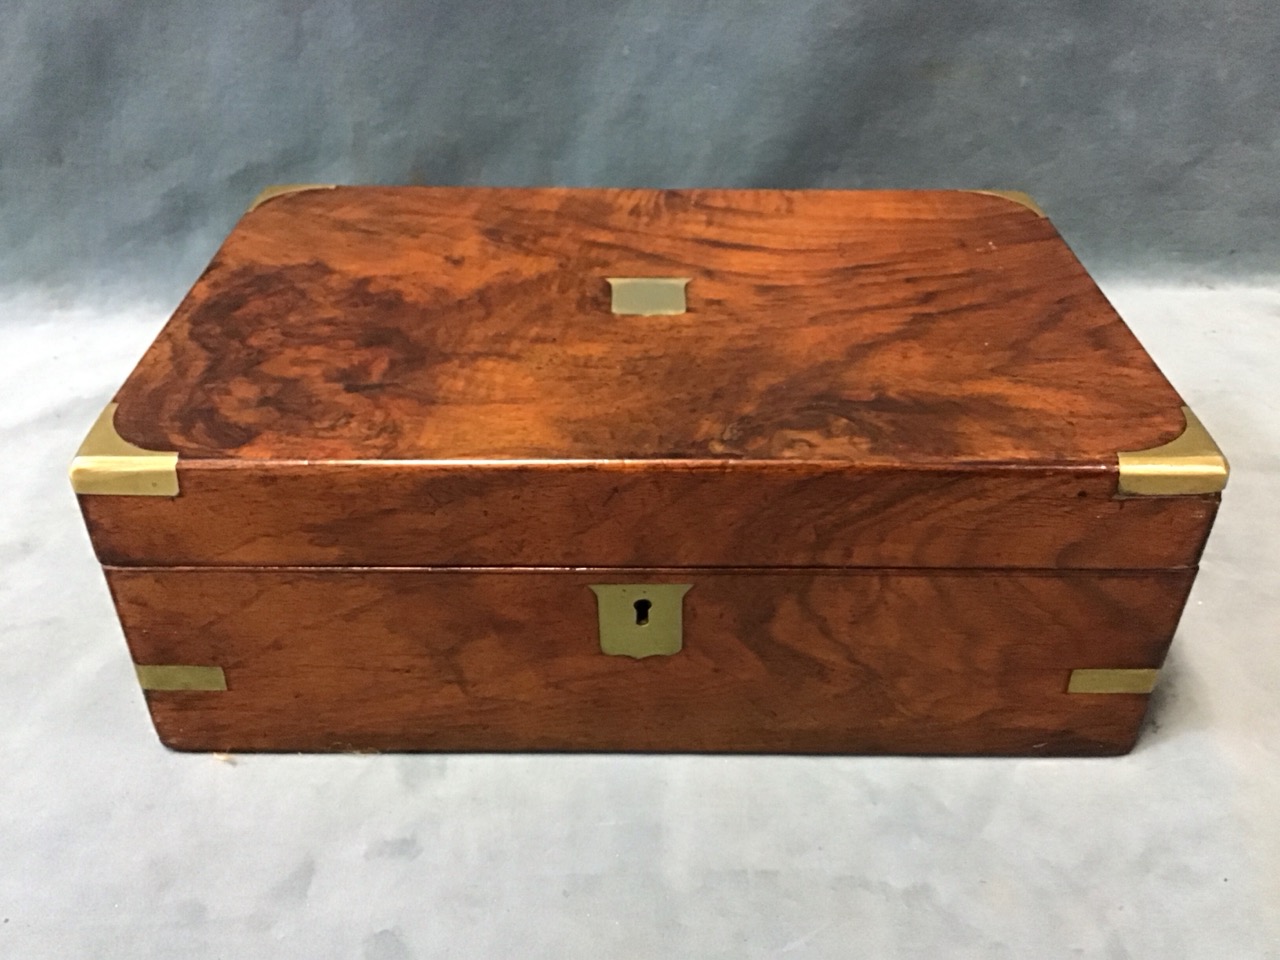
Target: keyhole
642,612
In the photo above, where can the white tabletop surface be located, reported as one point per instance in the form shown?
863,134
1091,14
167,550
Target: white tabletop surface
111,846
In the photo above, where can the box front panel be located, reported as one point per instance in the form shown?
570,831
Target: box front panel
791,661
643,515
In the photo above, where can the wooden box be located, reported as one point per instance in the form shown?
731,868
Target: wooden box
696,470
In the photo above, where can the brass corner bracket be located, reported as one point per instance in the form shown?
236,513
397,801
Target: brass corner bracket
1018,197
284,189
1190,463
107,463
1130,680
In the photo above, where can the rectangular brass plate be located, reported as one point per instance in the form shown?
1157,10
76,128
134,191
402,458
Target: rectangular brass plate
648,296
641,619
180,677
1113,681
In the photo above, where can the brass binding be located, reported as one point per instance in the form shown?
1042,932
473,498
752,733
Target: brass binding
1018,197
1190,463
107,463
1128,680
283,189
175,676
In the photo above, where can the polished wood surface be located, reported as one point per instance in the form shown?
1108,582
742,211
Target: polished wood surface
425,377
758,515
881,444
803,661
877,328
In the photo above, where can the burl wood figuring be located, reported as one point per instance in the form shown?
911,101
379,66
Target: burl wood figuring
881,444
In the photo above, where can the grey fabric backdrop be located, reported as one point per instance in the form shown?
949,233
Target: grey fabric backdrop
132,133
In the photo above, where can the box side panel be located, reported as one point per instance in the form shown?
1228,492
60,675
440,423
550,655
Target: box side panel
788,662
619,514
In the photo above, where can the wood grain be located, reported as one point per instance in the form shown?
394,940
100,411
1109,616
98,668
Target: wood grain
881,444
626,515
433,376
890,328
805,661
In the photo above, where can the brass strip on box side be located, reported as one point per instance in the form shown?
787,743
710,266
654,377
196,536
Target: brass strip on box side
107,463
648,296
1191,463
1113,681
167,676
1017,196
284,189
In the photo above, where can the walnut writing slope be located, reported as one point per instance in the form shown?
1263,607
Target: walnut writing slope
504,469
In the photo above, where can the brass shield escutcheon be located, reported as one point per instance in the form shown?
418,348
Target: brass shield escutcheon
641,619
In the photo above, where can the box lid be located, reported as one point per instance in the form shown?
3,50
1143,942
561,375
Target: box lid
467,376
